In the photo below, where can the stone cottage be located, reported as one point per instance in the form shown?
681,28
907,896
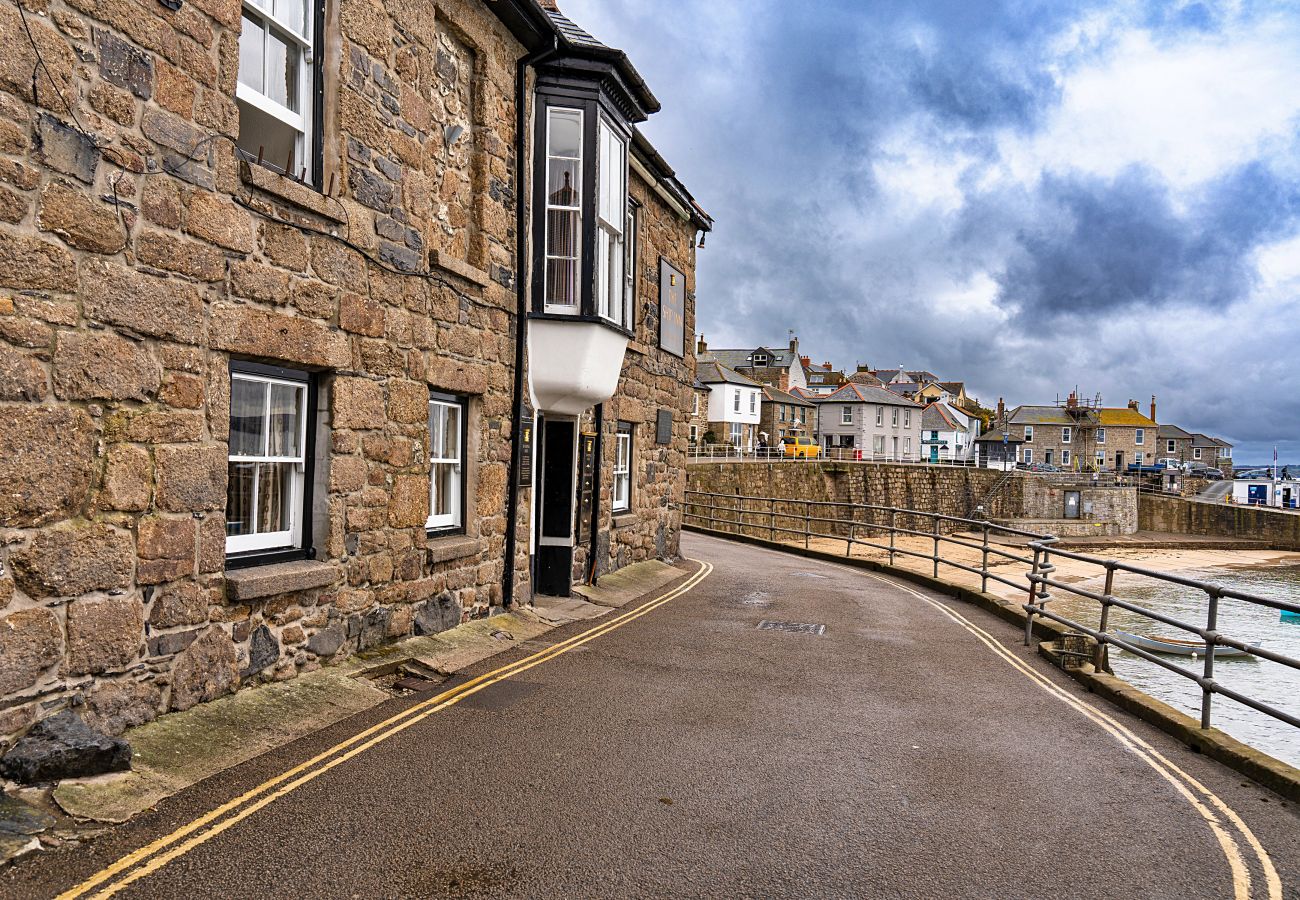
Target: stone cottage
306,317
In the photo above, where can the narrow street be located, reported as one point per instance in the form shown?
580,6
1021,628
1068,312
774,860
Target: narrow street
900,752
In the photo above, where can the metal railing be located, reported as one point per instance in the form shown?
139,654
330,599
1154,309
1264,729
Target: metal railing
773,453
878,527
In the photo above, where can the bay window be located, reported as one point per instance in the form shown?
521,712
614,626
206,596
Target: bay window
446,463
623,467
267,459
563,208
276,87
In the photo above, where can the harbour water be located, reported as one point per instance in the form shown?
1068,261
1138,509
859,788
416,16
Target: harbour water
1267,681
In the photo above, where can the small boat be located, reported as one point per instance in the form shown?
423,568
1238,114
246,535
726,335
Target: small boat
1177,647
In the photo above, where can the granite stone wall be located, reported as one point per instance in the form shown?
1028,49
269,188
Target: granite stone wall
1174,515
139,256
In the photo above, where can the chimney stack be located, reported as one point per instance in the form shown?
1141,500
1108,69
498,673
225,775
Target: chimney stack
1153,407
1072,402
1001,413
806,361
794,344
827,364
701,348
1133,405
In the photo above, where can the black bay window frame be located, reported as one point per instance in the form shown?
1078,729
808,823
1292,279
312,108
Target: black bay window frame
587,97
307,550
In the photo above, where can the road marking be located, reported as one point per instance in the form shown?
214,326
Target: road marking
143,862
1168,770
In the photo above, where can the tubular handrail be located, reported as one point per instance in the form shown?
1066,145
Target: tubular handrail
823,519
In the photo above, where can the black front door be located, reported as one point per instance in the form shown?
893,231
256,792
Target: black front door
555,508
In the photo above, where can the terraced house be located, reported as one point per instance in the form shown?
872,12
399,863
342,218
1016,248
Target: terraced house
1081,436
322,323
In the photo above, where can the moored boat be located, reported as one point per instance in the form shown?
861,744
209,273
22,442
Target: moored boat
1177,647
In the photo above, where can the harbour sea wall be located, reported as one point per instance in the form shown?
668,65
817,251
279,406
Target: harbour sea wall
1174,515
1021,500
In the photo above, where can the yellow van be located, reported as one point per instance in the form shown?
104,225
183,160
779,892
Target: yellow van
802,446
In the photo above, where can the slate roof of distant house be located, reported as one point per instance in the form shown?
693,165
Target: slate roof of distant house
865,378
1173,432
936,418
1204,440
776,395
699,385
952,387
1119,416
920,376
903,387
805,394
997,434
851,392
1041,415
712,372
1221,442
739,359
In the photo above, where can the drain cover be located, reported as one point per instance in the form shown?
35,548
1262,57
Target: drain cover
793,627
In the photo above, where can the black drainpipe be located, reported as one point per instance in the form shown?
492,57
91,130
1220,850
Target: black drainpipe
522,276
599,452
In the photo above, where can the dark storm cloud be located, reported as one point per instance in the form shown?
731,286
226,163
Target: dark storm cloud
784,119
1092,245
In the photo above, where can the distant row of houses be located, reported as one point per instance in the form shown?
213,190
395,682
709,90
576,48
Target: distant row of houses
758,397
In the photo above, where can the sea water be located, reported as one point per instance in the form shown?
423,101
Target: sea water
1262,680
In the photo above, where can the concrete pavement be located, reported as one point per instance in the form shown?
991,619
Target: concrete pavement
911,748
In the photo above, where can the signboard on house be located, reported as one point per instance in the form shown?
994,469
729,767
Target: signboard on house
672,309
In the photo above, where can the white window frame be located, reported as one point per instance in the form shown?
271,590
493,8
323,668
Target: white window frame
291,537
1029,434
629,262
880,416
1138,456
696,408
753,402
760,359
1169,446
552,113
1101,435
1027,455
907,446
300,122
846,415
1066,434
611,224
1196,453
622,489
894,416
735,406
694,433
1101,459
454,519
878,445
1139,436
907,418
737,434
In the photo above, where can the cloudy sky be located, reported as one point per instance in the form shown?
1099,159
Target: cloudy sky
1026,195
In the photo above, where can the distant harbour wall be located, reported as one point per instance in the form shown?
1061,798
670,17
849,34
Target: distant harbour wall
1174,515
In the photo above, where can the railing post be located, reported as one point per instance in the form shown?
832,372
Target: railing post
807,524
1211,628
771,519
893,521
984,562
1099,655
1033,590
937,523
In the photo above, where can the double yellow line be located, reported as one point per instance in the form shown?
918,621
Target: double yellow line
154,856
1214,814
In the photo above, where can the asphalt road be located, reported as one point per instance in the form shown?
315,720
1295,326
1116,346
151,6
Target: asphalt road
691,753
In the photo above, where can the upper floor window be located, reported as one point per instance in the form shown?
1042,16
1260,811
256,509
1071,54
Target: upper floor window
629,266
894,417
907,418
1101,435
695,409
563,208
1140,436
1029,434
736,401
846,415
760,359
446,462
1066,434
880,415
1196,453
276,89
753,401
1169,446
611,231
268,450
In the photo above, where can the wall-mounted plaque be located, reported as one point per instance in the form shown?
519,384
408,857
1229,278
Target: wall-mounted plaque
664,427
672,309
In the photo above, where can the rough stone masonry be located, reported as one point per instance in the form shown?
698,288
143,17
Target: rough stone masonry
139,256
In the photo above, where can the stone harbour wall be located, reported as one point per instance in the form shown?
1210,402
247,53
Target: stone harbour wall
138,257
1175,515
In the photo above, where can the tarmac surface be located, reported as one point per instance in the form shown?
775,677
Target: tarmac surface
691,752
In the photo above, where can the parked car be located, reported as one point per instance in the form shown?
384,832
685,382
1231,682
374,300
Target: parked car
802,447
1212,475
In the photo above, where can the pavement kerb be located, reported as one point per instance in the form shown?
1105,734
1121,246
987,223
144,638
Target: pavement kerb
1256,765
180,749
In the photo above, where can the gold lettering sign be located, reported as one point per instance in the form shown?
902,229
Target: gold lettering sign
672,309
